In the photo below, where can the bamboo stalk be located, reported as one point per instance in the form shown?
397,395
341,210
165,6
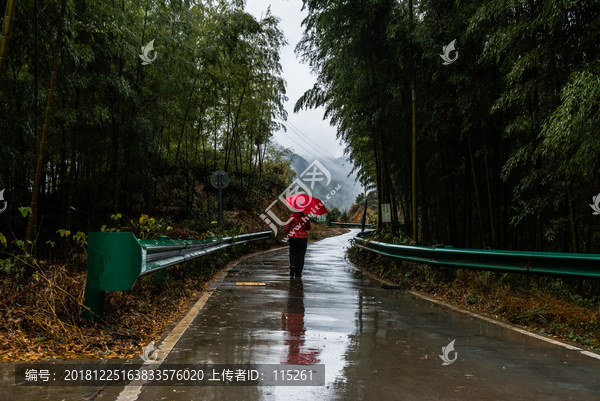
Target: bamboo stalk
8,18
414,141
476,194
414,168
487,176
572,217
31,223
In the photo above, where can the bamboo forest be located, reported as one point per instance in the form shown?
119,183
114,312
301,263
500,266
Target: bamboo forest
309,199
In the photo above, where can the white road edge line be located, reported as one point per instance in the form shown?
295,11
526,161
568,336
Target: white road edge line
132,391
476,315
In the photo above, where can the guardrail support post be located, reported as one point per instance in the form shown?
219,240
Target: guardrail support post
114,263
159,276
95,301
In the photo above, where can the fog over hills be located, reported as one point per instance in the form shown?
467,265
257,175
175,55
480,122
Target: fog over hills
339,169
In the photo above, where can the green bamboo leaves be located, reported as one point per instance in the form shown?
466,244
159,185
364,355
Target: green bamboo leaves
507,134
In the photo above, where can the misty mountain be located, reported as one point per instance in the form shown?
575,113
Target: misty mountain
339,169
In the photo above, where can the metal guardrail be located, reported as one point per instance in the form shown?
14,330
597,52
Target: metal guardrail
117,260
349,225
571,265
358,225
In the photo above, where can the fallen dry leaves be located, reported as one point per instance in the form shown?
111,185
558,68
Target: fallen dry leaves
46,322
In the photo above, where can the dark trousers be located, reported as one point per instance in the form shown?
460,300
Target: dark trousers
297,252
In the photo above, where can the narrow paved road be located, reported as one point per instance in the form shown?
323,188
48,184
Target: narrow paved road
375,344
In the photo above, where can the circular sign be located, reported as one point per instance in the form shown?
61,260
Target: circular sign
215,179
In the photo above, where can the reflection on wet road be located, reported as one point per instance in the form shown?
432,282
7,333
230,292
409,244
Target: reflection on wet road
292,324
375,344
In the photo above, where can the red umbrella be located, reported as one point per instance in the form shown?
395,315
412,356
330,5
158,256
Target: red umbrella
307,204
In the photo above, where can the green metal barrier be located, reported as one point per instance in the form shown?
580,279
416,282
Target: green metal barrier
349,225
571,265
117,260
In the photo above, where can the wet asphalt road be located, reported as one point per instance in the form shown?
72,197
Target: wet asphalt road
376,344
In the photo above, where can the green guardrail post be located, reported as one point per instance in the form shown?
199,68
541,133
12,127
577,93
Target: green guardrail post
449,270
114,264
159,277
94,300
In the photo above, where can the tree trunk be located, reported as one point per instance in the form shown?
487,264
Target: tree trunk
378,179
32,221
71,184
8,18
426,227
572,217
116,157
573,230
385,175
187,109
487,177
467,237
476,194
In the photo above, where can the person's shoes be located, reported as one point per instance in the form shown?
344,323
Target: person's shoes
292,272
298,274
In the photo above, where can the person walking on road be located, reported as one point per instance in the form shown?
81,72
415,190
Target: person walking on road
297,231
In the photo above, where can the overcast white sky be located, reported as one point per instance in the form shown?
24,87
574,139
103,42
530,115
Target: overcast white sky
299,79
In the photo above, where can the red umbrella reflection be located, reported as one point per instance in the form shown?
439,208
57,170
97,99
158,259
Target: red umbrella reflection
292,323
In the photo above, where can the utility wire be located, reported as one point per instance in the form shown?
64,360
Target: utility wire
330,159
306,136
317,150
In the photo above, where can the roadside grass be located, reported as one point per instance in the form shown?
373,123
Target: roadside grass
540,304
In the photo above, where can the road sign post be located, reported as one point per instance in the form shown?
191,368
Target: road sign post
220,179
220,202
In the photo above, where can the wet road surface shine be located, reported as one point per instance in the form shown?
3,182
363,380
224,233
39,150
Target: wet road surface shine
375,344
